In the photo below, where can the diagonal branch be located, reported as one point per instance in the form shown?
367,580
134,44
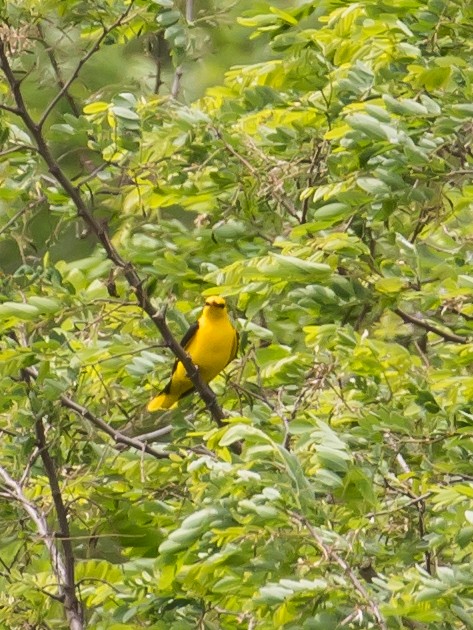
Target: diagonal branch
128,270
330,553
67,84
117,436
57,71
7,108
448,336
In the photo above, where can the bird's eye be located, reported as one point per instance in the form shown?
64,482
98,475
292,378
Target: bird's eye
217,304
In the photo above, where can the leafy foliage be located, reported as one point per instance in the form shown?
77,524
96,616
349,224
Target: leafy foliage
326,191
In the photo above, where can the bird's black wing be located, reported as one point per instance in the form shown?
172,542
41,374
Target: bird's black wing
236,343
189,334
185,341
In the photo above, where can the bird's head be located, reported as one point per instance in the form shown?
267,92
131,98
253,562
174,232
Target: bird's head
215,306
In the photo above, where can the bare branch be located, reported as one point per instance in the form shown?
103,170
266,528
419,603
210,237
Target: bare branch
273,185
57,71
72,604
152,435
21,212
157,50
12,110
419,501
15,492
117,436
190,10
176,83
398,508
448,336
67,84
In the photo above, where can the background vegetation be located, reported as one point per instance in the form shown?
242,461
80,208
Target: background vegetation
324,187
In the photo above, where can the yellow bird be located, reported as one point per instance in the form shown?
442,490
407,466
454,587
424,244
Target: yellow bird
211,342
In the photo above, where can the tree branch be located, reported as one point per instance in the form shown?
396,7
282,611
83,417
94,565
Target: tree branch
117,436
273,185
12,110
419,503
190,10
67,84
72,604
101,234
57,71
15,492
176,82
330,553
448,336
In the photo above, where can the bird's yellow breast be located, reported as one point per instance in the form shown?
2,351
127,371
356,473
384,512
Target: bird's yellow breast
210,348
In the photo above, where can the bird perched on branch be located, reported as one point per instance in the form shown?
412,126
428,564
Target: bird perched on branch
211,342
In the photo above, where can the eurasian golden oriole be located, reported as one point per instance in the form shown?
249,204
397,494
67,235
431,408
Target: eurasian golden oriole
211,342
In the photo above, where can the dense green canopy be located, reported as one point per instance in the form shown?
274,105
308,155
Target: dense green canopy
324,187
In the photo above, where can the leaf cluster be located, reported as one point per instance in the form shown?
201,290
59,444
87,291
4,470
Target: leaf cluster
325,190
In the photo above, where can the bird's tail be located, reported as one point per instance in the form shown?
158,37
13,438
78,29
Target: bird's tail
162,401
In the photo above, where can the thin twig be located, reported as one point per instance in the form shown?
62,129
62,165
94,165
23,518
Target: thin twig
231,150
12,110
398,508
67,84
273,185
419,502
20,213
157,51
57,72
16,148
313,176
176,83
117,436
330,553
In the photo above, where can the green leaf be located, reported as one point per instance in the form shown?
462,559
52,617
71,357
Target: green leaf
292,268
167,18
123,112
406,106
237,432
389,285
332,213
372,127
44,304
373,185
19,310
